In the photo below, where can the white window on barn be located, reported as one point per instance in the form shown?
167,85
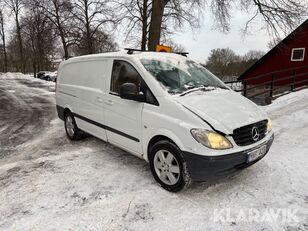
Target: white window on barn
298,54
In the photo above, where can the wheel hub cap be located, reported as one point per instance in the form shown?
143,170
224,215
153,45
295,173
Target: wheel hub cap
69,126
166,167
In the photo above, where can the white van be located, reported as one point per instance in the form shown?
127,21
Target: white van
165,109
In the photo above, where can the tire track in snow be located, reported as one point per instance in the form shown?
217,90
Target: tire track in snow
23,113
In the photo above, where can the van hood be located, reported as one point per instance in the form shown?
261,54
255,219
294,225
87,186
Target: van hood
225,110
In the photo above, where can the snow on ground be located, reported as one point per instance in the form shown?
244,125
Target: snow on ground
48,182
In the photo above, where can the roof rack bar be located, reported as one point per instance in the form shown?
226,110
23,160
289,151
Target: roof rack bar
181,53
130,51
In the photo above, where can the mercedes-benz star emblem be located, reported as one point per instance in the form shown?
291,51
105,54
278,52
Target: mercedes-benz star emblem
255,133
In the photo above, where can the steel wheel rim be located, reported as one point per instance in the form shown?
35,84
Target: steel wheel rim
70,126
167,167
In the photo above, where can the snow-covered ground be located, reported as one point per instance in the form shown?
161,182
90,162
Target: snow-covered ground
50,183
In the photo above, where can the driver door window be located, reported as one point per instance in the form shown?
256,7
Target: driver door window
123,72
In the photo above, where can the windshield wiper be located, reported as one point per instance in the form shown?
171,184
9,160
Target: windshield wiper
203,88
197,88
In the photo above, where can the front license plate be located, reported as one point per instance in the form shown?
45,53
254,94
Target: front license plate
256,154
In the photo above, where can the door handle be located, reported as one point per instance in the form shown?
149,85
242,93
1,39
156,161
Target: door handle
99,99
109,102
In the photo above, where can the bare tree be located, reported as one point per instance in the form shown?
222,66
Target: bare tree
173,13
39,39
154,19
100,42
221,62
2,35
253,55
273,42
59,12
144,15
176,47
135,15
226,63
91,15
278,15
248,59
16,6
221,13
164,16
158,7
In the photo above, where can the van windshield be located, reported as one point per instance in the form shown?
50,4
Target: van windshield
178,76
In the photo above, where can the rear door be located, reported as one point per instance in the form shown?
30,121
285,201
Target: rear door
123,117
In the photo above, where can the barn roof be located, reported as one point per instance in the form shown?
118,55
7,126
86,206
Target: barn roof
262,59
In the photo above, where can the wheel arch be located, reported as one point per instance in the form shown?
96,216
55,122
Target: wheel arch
163,135
62,111
65,111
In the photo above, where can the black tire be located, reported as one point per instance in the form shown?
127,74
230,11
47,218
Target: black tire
183,179
77,134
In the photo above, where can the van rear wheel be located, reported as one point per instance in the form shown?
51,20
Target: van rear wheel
168,167
72,131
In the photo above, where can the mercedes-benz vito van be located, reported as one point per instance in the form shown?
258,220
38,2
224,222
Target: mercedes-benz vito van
166,109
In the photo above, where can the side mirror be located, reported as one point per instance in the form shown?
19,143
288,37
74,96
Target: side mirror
130,91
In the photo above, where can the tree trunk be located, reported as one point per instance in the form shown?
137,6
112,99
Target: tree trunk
21,52
144,25
88,32
158,7
60,29
5,56
34,69
64,45
4,44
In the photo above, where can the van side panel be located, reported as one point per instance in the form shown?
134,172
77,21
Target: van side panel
90,96
66,96
80,88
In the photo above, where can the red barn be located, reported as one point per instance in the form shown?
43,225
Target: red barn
286,63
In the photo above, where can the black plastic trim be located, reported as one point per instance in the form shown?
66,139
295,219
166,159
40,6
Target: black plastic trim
61,116
106,127
60,111
204,168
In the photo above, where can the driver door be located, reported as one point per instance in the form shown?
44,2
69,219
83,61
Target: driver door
123,118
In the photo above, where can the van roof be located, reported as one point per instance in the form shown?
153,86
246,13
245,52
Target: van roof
123,54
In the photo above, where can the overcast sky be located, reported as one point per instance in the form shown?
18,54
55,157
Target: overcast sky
200,42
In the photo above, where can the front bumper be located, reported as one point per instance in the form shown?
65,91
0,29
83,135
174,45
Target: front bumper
203,168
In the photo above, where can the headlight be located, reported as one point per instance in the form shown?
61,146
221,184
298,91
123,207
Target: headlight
210,139
269,125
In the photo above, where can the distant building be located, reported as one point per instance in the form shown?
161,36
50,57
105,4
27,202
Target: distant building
288,58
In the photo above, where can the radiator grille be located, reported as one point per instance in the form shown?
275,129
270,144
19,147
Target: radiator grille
245,135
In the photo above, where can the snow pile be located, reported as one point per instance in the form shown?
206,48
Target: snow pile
28,77
51,183
285,100
10,75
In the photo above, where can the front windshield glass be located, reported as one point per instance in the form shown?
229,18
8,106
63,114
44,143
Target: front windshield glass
180,75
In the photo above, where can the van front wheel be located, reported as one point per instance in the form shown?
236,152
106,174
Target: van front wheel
72,131
168,166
